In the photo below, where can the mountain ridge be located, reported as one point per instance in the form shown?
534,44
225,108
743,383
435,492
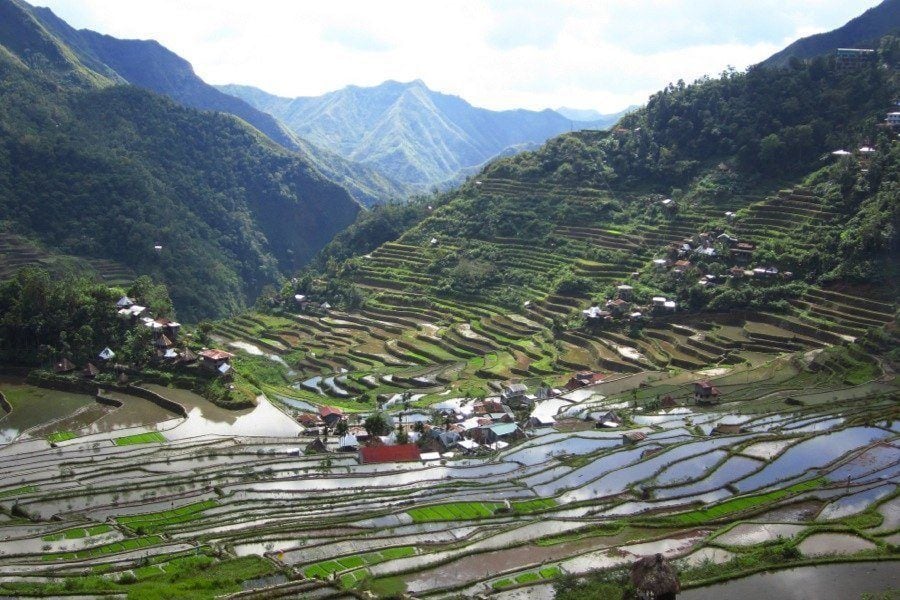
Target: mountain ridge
876,22
152,66
379,125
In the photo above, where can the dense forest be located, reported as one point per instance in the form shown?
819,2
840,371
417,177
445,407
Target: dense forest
112,171
772,123
44,319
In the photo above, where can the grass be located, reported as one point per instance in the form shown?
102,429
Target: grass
61,436
25,489
325,568
77,533
196,577
150,437
528,577
741,504
111,548
466,511
152,522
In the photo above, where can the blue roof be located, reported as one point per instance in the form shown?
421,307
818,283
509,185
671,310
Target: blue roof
503,428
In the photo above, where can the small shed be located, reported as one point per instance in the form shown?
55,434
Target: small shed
63,366
633,437
90,371
317,446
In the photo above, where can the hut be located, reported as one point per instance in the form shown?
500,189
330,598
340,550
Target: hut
63,366
90,371
317,446
654,578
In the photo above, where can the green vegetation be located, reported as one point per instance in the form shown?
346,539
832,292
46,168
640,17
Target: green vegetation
153,522
109,171
460,511
61,436
150,437
111,548
77,533
323,569
741,504
528,577
200,577
25,489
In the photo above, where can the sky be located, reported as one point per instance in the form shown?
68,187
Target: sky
589,54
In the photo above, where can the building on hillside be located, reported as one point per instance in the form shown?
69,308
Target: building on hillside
132,312
513,392
438,440
853,58
669,205
63,366
331,415
595,315
124,302
309,420
317,446
618,307
187,357
386,454
705,392
742,252
624,291
106,354
164,326
90,371
214,359
488,435
348,443
893,119
582,379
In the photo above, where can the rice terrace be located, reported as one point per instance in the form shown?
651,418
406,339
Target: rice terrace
378,342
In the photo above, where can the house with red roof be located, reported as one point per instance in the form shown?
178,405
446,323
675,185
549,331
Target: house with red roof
214,359
331,415
387,454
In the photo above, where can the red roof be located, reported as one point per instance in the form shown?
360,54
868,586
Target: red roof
330,410
384,454
214,354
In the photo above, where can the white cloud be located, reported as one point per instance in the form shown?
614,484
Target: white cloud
498,54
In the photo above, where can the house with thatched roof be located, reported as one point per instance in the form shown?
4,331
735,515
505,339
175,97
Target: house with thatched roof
90,371
63,366
654,578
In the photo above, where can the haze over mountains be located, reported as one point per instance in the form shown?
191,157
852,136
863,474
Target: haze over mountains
413,134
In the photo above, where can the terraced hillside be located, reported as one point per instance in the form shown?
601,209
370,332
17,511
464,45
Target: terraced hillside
220,500
17,252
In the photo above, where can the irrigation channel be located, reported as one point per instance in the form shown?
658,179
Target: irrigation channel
133,492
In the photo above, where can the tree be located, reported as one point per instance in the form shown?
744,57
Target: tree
376,424
342,428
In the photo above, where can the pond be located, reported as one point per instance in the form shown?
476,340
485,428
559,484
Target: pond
749,534
205,418
33,406
850,580
855,503
732,469
810,454
824,544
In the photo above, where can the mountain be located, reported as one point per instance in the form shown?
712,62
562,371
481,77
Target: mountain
876,22
93,167
149,65
415,135
593,119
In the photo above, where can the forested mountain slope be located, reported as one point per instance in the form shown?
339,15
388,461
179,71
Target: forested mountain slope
865,29
95,169
149,65
410,132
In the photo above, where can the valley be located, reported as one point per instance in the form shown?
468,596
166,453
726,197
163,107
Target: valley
649,360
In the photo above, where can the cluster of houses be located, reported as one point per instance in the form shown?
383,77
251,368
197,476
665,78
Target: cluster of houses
304,304
622,307
165,346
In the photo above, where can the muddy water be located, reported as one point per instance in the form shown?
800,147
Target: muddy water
34,406
134,412
821,544
850,580
756,533
205,418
